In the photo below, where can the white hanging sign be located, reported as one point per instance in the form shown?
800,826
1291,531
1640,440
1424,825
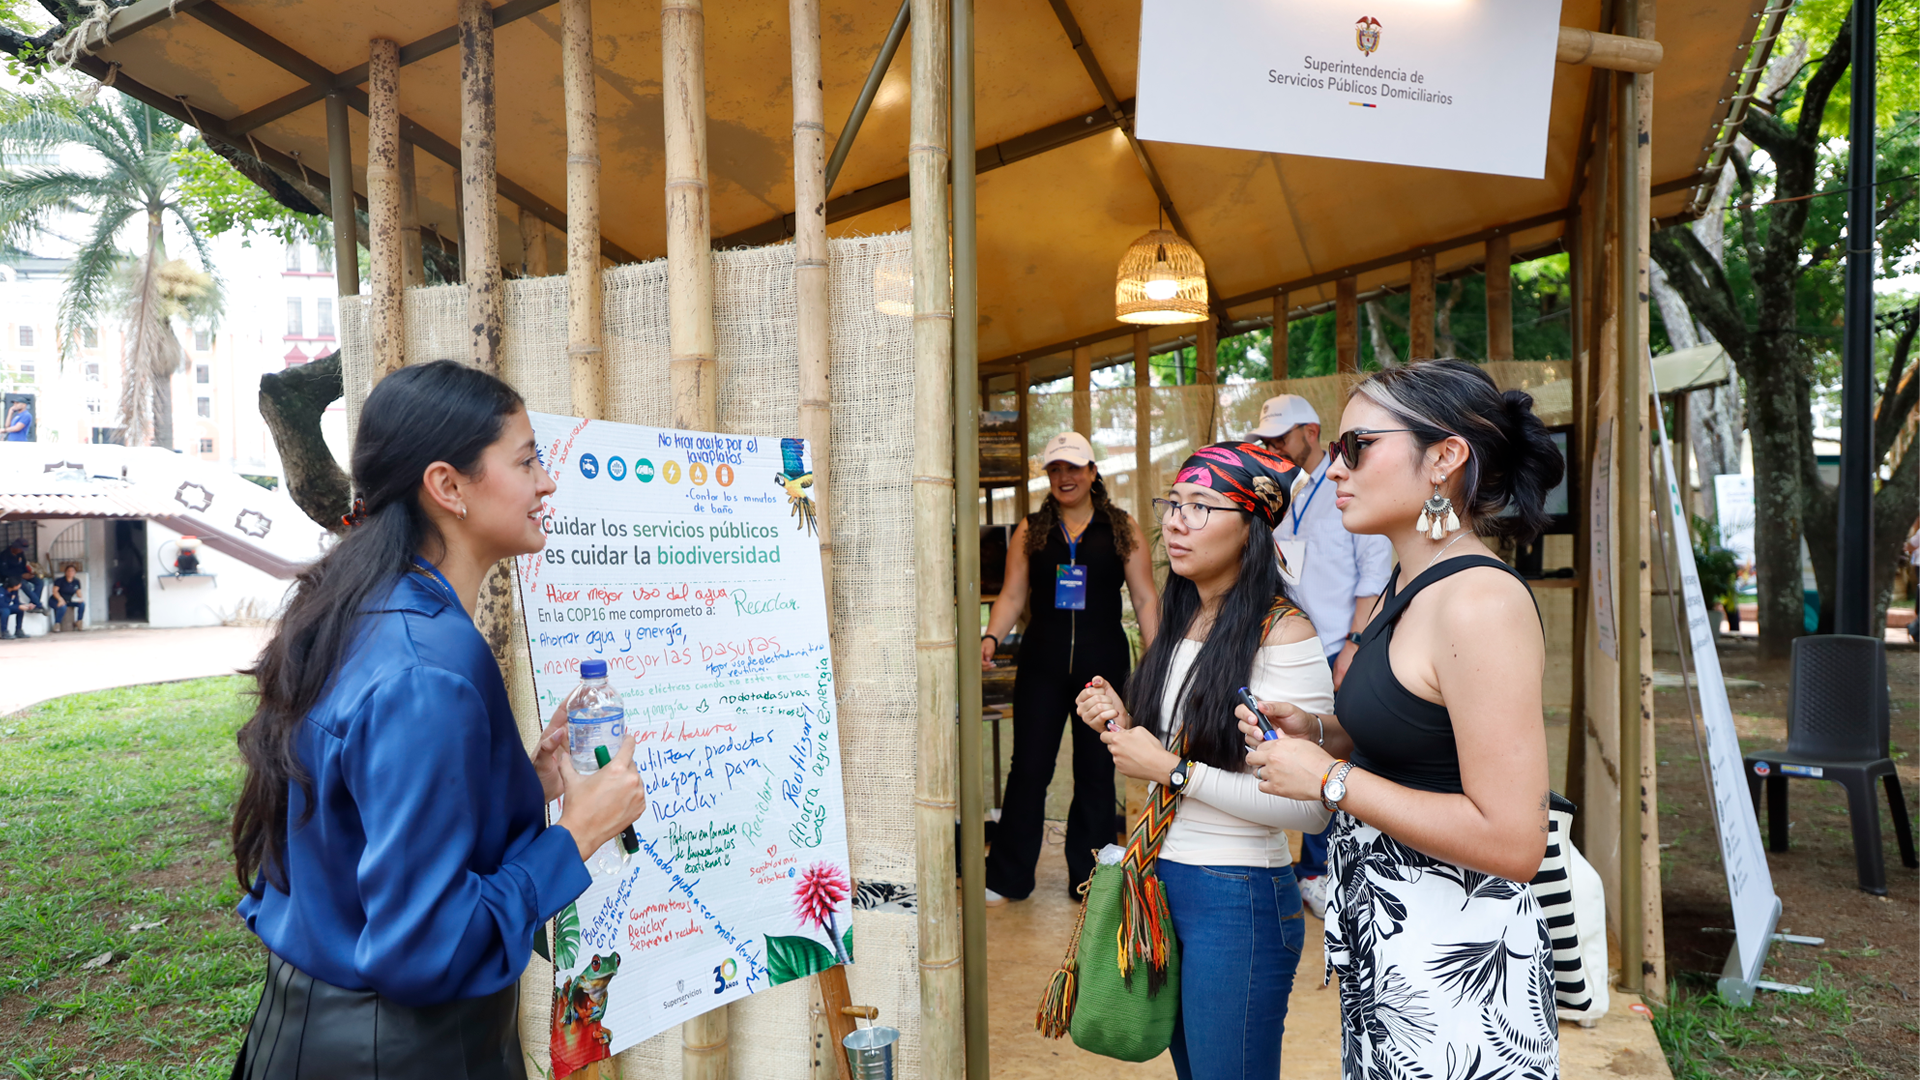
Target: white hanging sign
689,563
1466,84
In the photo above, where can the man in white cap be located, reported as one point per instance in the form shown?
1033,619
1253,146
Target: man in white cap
1336,576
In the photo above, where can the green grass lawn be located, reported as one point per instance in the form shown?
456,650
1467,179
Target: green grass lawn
113,820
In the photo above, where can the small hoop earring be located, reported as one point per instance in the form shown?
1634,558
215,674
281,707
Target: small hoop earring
1437,518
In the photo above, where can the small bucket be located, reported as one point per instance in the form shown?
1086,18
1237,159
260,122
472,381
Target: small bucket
870,1052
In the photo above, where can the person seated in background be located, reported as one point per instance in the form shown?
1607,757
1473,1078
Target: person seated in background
28,597
67,598
9,605
13,561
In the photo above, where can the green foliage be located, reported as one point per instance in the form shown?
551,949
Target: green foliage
1718,566
790,958
115,807
1704,1038
223,201
1897,81
566,937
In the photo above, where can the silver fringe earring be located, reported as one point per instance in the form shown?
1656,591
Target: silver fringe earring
1437,518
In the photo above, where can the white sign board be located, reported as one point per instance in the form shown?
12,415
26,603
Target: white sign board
687,561
1461,85
1749,881
1733,503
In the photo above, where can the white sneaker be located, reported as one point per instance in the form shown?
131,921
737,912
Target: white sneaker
1313,893
994,899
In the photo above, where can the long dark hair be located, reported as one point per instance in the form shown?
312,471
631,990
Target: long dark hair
1041,523
1209,692
442,411
1512,462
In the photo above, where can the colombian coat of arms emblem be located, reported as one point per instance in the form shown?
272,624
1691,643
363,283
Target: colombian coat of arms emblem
1366,34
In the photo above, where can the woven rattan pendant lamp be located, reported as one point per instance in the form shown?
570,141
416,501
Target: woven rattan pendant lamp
1161,281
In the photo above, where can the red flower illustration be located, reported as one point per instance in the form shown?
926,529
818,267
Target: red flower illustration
822,887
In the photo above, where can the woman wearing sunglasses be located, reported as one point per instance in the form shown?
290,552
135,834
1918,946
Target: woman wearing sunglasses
1436,764
1226,622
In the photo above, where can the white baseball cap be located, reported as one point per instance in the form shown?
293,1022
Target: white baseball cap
1068,446
1282,414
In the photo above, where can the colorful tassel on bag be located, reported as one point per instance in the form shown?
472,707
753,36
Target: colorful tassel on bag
1063,990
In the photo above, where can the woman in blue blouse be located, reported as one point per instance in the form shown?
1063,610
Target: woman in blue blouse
391,834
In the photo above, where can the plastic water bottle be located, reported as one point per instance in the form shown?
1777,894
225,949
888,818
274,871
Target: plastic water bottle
595,717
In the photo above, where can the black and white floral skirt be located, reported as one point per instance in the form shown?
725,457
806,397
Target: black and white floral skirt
1445,973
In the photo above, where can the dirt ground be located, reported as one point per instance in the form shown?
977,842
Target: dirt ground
1872,950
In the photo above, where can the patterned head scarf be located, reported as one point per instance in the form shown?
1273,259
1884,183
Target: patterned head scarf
1252,477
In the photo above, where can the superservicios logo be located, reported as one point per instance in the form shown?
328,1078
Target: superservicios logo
723,975
589,466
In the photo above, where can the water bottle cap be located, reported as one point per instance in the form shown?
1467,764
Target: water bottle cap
593,669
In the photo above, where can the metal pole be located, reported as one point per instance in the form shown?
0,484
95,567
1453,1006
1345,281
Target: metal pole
966,530
346,248
1853,580
860,106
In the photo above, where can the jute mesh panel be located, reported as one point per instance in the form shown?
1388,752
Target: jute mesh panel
872,529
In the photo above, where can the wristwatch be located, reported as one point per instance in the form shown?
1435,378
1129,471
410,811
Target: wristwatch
1334,787
1177,779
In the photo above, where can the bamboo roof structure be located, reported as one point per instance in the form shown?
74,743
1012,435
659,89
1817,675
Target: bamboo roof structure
1061,189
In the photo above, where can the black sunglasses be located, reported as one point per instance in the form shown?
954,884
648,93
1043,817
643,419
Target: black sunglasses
1349,444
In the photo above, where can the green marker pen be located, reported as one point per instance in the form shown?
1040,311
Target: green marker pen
629,841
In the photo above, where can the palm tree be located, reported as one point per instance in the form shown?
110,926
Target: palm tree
138,185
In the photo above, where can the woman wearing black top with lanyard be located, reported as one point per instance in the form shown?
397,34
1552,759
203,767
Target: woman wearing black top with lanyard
1065,565
1437,760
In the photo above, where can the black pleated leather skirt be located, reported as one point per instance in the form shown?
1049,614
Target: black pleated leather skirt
305,1029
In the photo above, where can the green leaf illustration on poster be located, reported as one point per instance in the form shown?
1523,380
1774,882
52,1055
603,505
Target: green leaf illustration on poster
790,958
566,937
847,941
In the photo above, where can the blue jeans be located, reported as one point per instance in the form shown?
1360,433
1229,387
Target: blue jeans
1240,931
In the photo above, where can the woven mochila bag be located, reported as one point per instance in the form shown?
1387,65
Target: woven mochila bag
1124,927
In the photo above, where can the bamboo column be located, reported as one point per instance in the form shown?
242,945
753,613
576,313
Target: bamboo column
692,370
533,245
1277,360
1022,386
584,360
1083,390
386,328
1346,326
480,238
413,266
1627,556
810,262
1420,305
942,1053
346,254
1500,298
1144,488
1206,369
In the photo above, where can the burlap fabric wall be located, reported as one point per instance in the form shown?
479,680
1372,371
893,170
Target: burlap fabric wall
872,527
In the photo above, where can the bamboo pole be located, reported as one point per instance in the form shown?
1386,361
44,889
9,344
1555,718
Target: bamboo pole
1143,485
1277,360
533,245
691,366
810,263
1022,386
966,484
1346,326
413,265
585,362
1627,556
942,1054
459,229
1083,390
1613,51
1578,275
1420,305
1499,269
480,241
346,254
1206,368
386,329
692,370
1652,935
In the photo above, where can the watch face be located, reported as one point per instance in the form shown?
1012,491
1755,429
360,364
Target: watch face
1336,790
1178,777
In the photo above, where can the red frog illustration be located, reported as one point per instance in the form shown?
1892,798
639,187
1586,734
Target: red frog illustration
579,1005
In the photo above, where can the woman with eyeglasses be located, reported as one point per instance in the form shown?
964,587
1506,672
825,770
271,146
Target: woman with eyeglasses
391,835
1436,762
1226,622
1066,564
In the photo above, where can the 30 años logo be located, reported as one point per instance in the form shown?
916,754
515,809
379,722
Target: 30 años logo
1366,35
723,976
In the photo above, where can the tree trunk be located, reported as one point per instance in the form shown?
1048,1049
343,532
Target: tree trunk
292,402
1383,353
1778,404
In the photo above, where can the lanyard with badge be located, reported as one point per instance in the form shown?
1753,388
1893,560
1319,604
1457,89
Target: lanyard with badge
1293,553
1070,581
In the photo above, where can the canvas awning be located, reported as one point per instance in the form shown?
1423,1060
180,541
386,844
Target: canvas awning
1061,193
1698,368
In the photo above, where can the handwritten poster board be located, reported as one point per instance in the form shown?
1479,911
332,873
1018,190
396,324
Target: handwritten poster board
688,562
1403,82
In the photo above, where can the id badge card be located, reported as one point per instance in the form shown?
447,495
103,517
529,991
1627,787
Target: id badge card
1070,588
1293,555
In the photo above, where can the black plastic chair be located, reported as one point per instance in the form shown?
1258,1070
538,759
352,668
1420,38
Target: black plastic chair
1838,721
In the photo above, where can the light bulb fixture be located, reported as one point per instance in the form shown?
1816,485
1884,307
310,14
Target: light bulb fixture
1161,281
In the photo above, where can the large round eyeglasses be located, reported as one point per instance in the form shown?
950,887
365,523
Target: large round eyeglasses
1193,515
